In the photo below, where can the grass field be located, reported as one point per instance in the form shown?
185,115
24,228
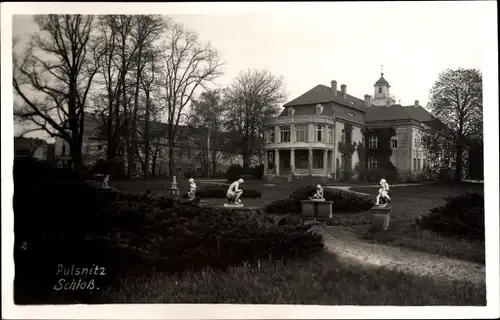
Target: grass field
408,202
322,280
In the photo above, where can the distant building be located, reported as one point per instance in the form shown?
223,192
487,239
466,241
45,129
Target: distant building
190,152
33,148
304,138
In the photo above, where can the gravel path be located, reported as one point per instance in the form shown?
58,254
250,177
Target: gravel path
346,245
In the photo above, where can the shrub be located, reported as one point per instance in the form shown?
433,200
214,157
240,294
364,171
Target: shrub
115,169
136,235
219,191
344,201
460,216
234,172
257,171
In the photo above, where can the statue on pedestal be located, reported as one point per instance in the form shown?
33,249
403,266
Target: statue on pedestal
383,198
174,183
192,189
319,194
234,193
105,182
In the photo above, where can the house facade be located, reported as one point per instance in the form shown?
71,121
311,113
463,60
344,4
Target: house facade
323,131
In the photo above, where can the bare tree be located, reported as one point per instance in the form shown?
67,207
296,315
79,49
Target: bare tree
252,97
55,75
115,35
457,100
207,115
188,65
148,29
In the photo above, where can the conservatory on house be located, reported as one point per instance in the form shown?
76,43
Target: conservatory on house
300,144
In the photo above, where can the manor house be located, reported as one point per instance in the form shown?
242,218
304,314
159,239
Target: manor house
305,138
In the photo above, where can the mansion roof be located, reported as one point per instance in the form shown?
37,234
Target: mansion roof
353,109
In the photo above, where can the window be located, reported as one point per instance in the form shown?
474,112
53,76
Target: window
329,135
63,150
301,133
419,163
363,142
380,90
270,136
99,147
351,114
285,134
320,134
319,109
372,163
373,143
414,163
291,111
424,164
394,143
342,136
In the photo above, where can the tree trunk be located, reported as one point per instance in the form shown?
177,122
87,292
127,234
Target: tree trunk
171,160
458,163
146,139
153,164
136,105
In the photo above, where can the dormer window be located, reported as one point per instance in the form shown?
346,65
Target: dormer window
380,90
291,111
319,109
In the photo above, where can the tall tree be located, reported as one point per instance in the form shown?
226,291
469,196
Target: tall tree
188,66
55,75
207,115
253,97
457,100
147,31
116,36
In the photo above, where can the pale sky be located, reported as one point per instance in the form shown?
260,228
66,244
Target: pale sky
347,42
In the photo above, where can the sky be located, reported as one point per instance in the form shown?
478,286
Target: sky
313,43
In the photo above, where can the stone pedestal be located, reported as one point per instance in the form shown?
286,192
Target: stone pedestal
233,205
381,217
319,209
173,192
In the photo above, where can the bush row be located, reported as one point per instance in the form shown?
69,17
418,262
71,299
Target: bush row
219,191
70,223
344,201
459,216
235,171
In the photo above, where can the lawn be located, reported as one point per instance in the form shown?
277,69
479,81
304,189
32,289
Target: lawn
321,280
407,204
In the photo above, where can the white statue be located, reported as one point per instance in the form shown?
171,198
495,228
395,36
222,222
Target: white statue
383,194
192,189
234,192
319,194
105,182
174,183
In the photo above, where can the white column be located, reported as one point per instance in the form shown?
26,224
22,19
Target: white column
292,159
277,134
293,135
277,161
266,161
333,160
325,160
310,159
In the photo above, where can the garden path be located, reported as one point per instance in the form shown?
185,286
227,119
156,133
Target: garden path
348,246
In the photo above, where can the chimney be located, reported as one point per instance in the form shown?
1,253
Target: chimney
416,103
368,100
342,89
334,87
